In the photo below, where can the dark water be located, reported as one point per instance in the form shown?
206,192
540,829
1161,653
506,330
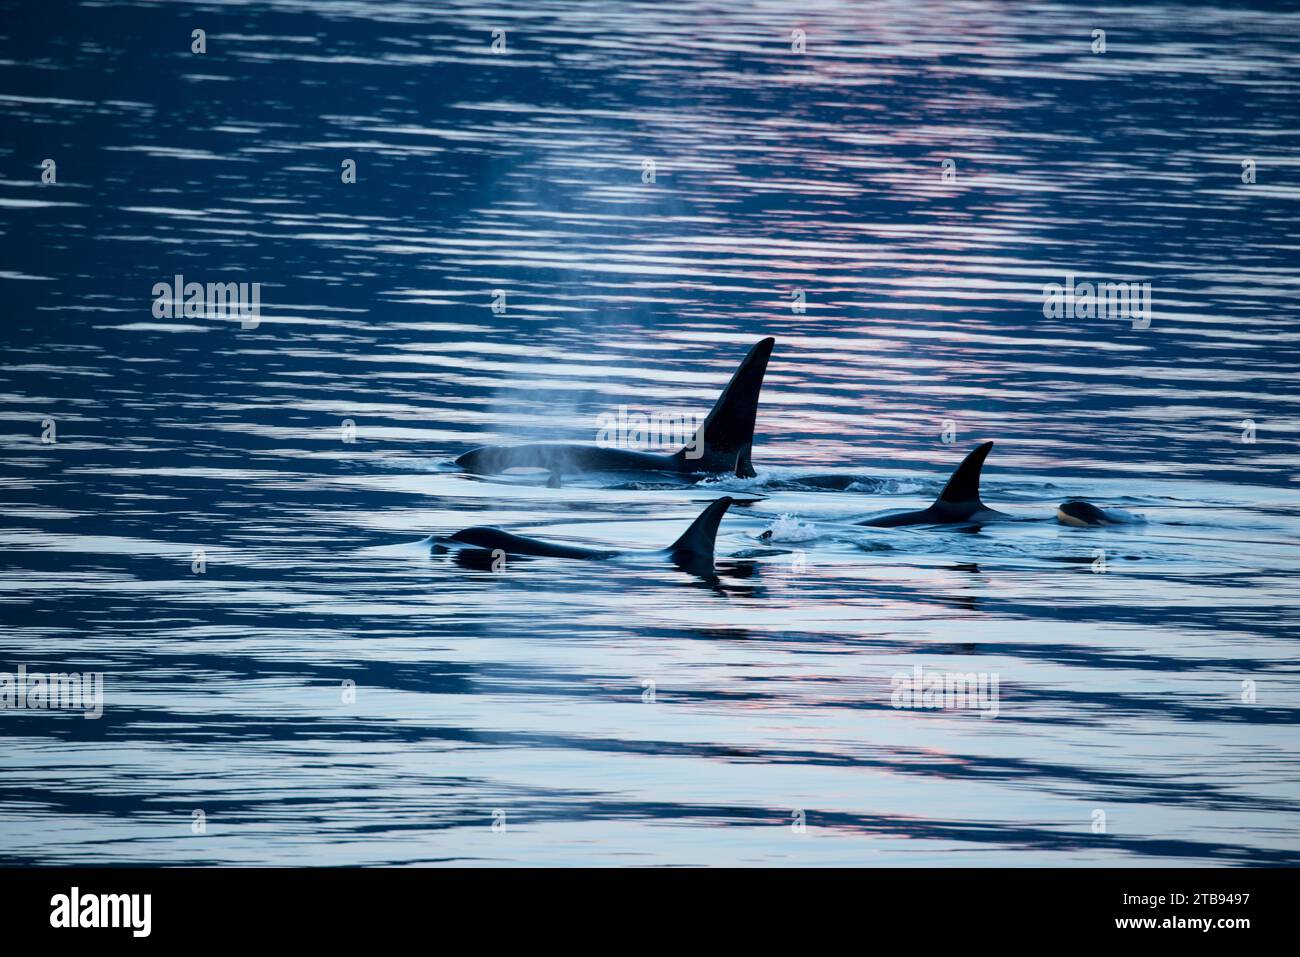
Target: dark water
1146,713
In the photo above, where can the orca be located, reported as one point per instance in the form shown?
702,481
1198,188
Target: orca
722,444
1082,514
692,551
959,502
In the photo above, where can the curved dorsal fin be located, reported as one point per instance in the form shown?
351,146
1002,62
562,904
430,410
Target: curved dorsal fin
964,485
699,538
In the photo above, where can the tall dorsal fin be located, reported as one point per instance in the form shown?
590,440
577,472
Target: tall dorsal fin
697,541
964,485
729,427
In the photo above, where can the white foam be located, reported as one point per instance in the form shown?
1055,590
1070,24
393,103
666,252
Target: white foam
788,528
1123,517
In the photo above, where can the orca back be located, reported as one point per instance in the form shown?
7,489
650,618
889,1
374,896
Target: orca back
487,537
958,502
1080,514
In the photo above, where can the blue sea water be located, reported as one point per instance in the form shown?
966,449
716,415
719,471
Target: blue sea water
315,687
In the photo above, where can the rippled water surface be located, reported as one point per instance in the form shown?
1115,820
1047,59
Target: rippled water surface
631,713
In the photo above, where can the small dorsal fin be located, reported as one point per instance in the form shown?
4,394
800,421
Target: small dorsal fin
744,467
